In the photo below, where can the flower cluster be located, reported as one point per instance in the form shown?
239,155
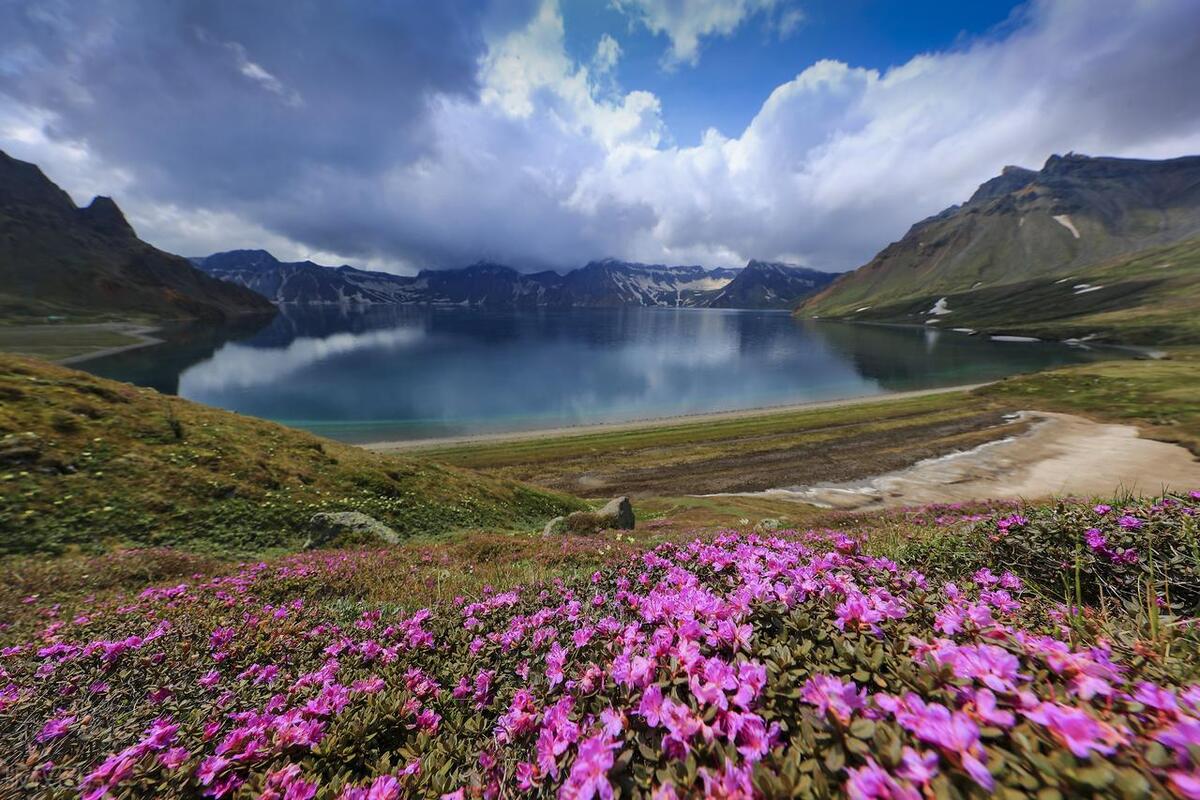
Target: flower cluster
739,666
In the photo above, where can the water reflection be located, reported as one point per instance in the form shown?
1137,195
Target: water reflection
407,372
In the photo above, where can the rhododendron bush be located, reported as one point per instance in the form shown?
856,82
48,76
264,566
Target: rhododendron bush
738,666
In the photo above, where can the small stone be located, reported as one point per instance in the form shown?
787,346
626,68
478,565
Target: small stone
351,527
20,448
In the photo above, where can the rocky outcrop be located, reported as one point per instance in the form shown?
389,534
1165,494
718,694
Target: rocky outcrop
347,527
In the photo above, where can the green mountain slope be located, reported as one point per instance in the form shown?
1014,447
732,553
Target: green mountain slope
1073,249
57,259
94,464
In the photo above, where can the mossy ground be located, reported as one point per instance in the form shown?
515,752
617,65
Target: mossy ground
120,465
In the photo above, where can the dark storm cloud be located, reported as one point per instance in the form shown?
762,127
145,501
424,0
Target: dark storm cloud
436,133
220,104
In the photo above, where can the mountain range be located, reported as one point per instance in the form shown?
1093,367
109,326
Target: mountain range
1083,247
57,259
599,284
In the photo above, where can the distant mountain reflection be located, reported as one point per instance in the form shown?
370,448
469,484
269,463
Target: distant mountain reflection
399,372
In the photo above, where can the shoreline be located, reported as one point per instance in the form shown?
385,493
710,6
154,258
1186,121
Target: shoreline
139,332
1060,455
406,445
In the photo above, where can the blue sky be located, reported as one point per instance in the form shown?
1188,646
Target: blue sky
735,73
547,133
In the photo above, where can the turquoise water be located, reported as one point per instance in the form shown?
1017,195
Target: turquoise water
406,373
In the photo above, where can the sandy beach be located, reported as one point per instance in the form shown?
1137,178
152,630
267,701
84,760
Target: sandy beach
1059,455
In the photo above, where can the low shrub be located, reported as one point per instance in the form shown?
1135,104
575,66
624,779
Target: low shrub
745,666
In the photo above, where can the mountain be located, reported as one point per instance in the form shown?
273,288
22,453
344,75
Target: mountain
599,284
766,284
1071,249
58,259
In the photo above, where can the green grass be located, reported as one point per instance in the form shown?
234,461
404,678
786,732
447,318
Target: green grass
739,454
54,342
116,465
1161,396
1151,298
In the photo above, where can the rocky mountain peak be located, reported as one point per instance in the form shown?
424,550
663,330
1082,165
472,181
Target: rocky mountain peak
104,216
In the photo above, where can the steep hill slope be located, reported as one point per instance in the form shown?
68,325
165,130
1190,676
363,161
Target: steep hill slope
57,259
1081,237
94,464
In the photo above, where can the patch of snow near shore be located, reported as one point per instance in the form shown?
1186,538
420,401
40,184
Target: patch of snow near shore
939,308
1015,339
1084,288
864,308
1065,221
964,330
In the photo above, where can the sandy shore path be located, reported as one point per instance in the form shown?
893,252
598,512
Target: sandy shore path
657,422
1059,455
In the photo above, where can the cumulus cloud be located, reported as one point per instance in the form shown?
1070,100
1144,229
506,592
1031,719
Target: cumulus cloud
407,139
686,22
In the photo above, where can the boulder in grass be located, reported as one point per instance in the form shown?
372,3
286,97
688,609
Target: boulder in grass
617,514
347,528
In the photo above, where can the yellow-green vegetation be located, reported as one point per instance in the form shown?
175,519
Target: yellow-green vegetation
87,463
55,342
1160,396
1151,298
744,453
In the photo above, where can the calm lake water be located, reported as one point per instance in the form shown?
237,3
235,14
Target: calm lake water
407,373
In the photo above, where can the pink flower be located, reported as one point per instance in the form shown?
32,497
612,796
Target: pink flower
55,728
831,696
589,774
1129,522
873,781
555,660
1076,729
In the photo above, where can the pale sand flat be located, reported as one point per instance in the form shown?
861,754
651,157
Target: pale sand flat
1060,455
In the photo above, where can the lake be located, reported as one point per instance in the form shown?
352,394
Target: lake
407,373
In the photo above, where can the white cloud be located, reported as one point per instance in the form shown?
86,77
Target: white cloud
687,22
551,163
608,53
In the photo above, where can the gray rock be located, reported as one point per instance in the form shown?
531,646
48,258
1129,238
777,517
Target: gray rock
20,448
767,525
620,511
328,527
617,514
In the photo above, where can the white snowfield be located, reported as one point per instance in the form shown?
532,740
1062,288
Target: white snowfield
1084,288
939,309
1065,221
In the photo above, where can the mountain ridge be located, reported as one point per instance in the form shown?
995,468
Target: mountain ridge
603,283
1057,245
58,259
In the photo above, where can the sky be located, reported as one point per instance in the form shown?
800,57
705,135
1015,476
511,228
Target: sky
547,133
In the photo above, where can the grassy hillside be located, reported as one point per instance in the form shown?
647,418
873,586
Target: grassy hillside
1085,246
87,463
1151,298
